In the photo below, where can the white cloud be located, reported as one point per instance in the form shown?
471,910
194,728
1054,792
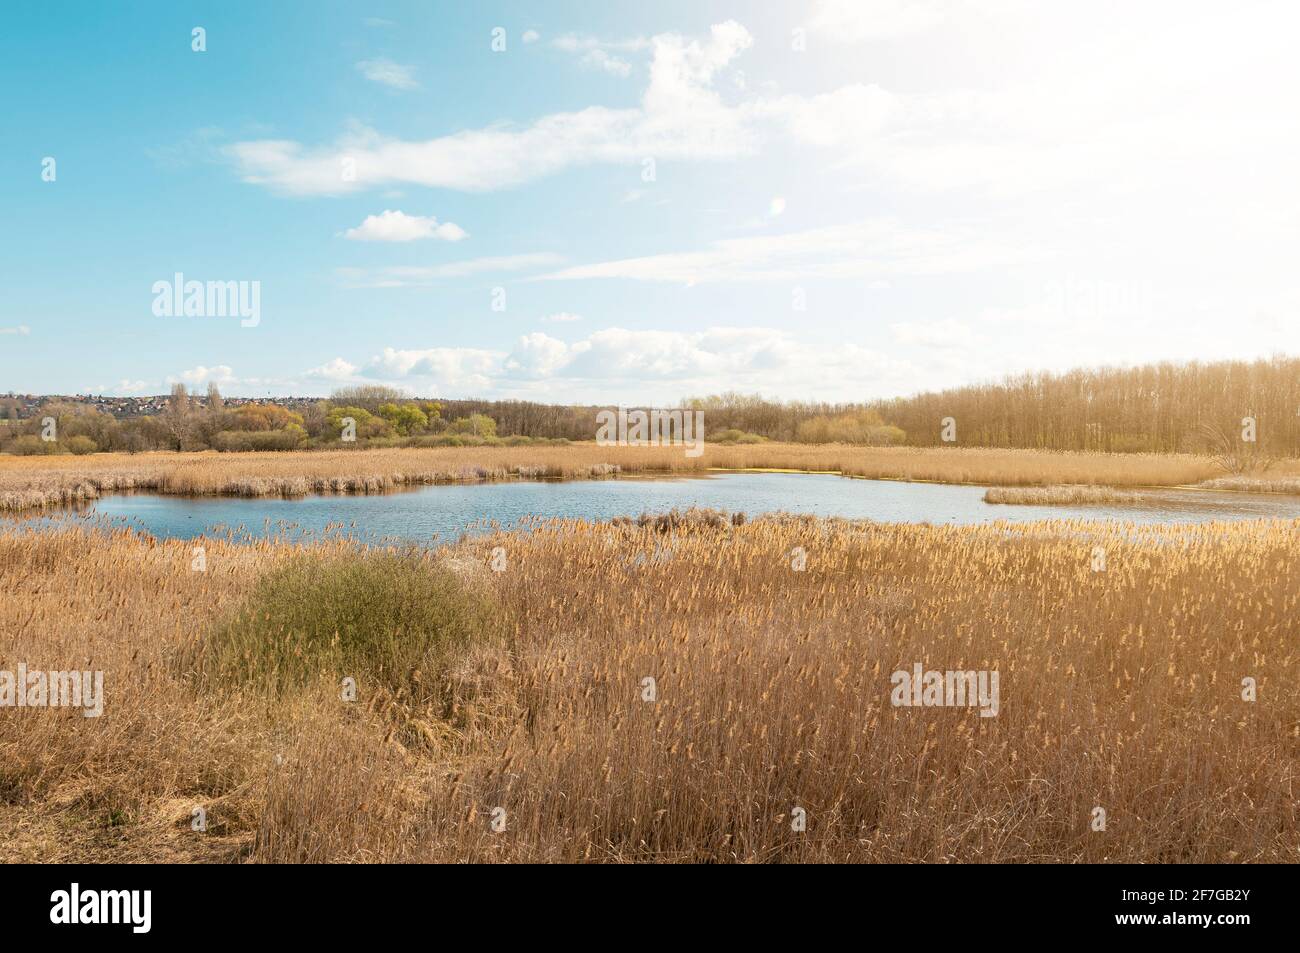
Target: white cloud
562,317
776,207
399,276
531,36
933,334
870,249
537,355
601,60
851,21
681,117
222,375
1173,97
20,329
581,43
645,364
396,226
856,21
335,370
464,370
388,73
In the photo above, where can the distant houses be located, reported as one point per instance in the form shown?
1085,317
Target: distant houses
22,406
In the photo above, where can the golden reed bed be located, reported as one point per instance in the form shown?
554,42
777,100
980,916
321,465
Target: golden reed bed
1058,495
1120,689
29,482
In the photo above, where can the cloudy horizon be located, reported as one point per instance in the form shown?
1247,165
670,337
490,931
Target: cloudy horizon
841,200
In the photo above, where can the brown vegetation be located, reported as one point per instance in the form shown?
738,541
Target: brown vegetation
1058,495
1162,408
1119,689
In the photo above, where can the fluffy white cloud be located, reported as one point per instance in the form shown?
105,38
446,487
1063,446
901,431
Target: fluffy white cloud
335,370
562,317
531,36
537,355
20,329
396,226
462,370
388,73
645,363
681,117
600,54
1173,96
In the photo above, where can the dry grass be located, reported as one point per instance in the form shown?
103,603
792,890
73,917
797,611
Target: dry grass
28,482
1058,495
1120,689
1255,484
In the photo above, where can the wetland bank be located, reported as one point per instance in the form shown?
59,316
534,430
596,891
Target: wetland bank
501,674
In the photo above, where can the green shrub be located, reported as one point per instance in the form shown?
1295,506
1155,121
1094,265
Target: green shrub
734,436
398,620
30,445
80,445
479,425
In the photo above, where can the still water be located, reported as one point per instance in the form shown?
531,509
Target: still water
444,512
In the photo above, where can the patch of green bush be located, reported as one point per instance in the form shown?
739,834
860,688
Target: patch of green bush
397,620
80,445
30,445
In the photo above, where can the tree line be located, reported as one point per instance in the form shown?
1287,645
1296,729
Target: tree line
1161,408
1191,407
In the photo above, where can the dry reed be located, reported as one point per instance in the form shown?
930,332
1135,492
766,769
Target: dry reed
1058,495
1120,689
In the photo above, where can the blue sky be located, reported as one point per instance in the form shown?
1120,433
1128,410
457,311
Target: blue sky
849,199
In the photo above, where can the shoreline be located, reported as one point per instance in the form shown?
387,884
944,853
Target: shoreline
36,483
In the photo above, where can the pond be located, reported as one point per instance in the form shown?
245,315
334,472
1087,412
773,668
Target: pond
447,511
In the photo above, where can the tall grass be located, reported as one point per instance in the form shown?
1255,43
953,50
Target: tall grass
1121,689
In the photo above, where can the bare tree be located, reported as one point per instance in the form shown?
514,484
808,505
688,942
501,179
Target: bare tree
177,418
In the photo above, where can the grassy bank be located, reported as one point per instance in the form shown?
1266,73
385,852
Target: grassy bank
30,482
1119,689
